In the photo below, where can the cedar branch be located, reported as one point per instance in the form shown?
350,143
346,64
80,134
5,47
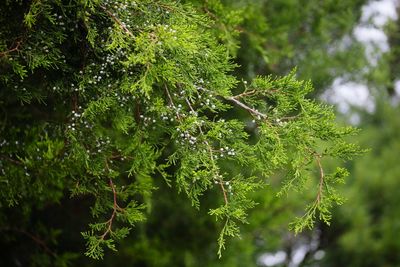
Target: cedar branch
15,48
121,25
115,207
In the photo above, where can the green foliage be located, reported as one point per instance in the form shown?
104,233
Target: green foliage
317,37
103,98
363,236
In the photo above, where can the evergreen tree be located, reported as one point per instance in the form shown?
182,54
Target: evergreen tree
114,103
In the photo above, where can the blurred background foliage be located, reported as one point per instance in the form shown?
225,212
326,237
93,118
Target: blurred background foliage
273,37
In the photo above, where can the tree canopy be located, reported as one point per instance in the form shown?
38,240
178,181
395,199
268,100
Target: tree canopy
116,103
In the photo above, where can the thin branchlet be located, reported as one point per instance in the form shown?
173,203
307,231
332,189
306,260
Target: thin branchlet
321,178
14,48
241,104
35,238
114,213
246,107
209,148
120,24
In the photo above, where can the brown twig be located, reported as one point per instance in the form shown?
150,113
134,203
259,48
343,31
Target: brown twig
249,109
75,102
212,15
321,177
17,162
122,25
245,93
114,213
118,156
288,118
172,102
35,238
318,157
223,191
15,48
240,104
252,92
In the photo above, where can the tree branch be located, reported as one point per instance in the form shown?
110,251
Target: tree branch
16,162
249,109
241,104
221,183
321,177
121,25
245,93
34,238
115,208
15,48
172,102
